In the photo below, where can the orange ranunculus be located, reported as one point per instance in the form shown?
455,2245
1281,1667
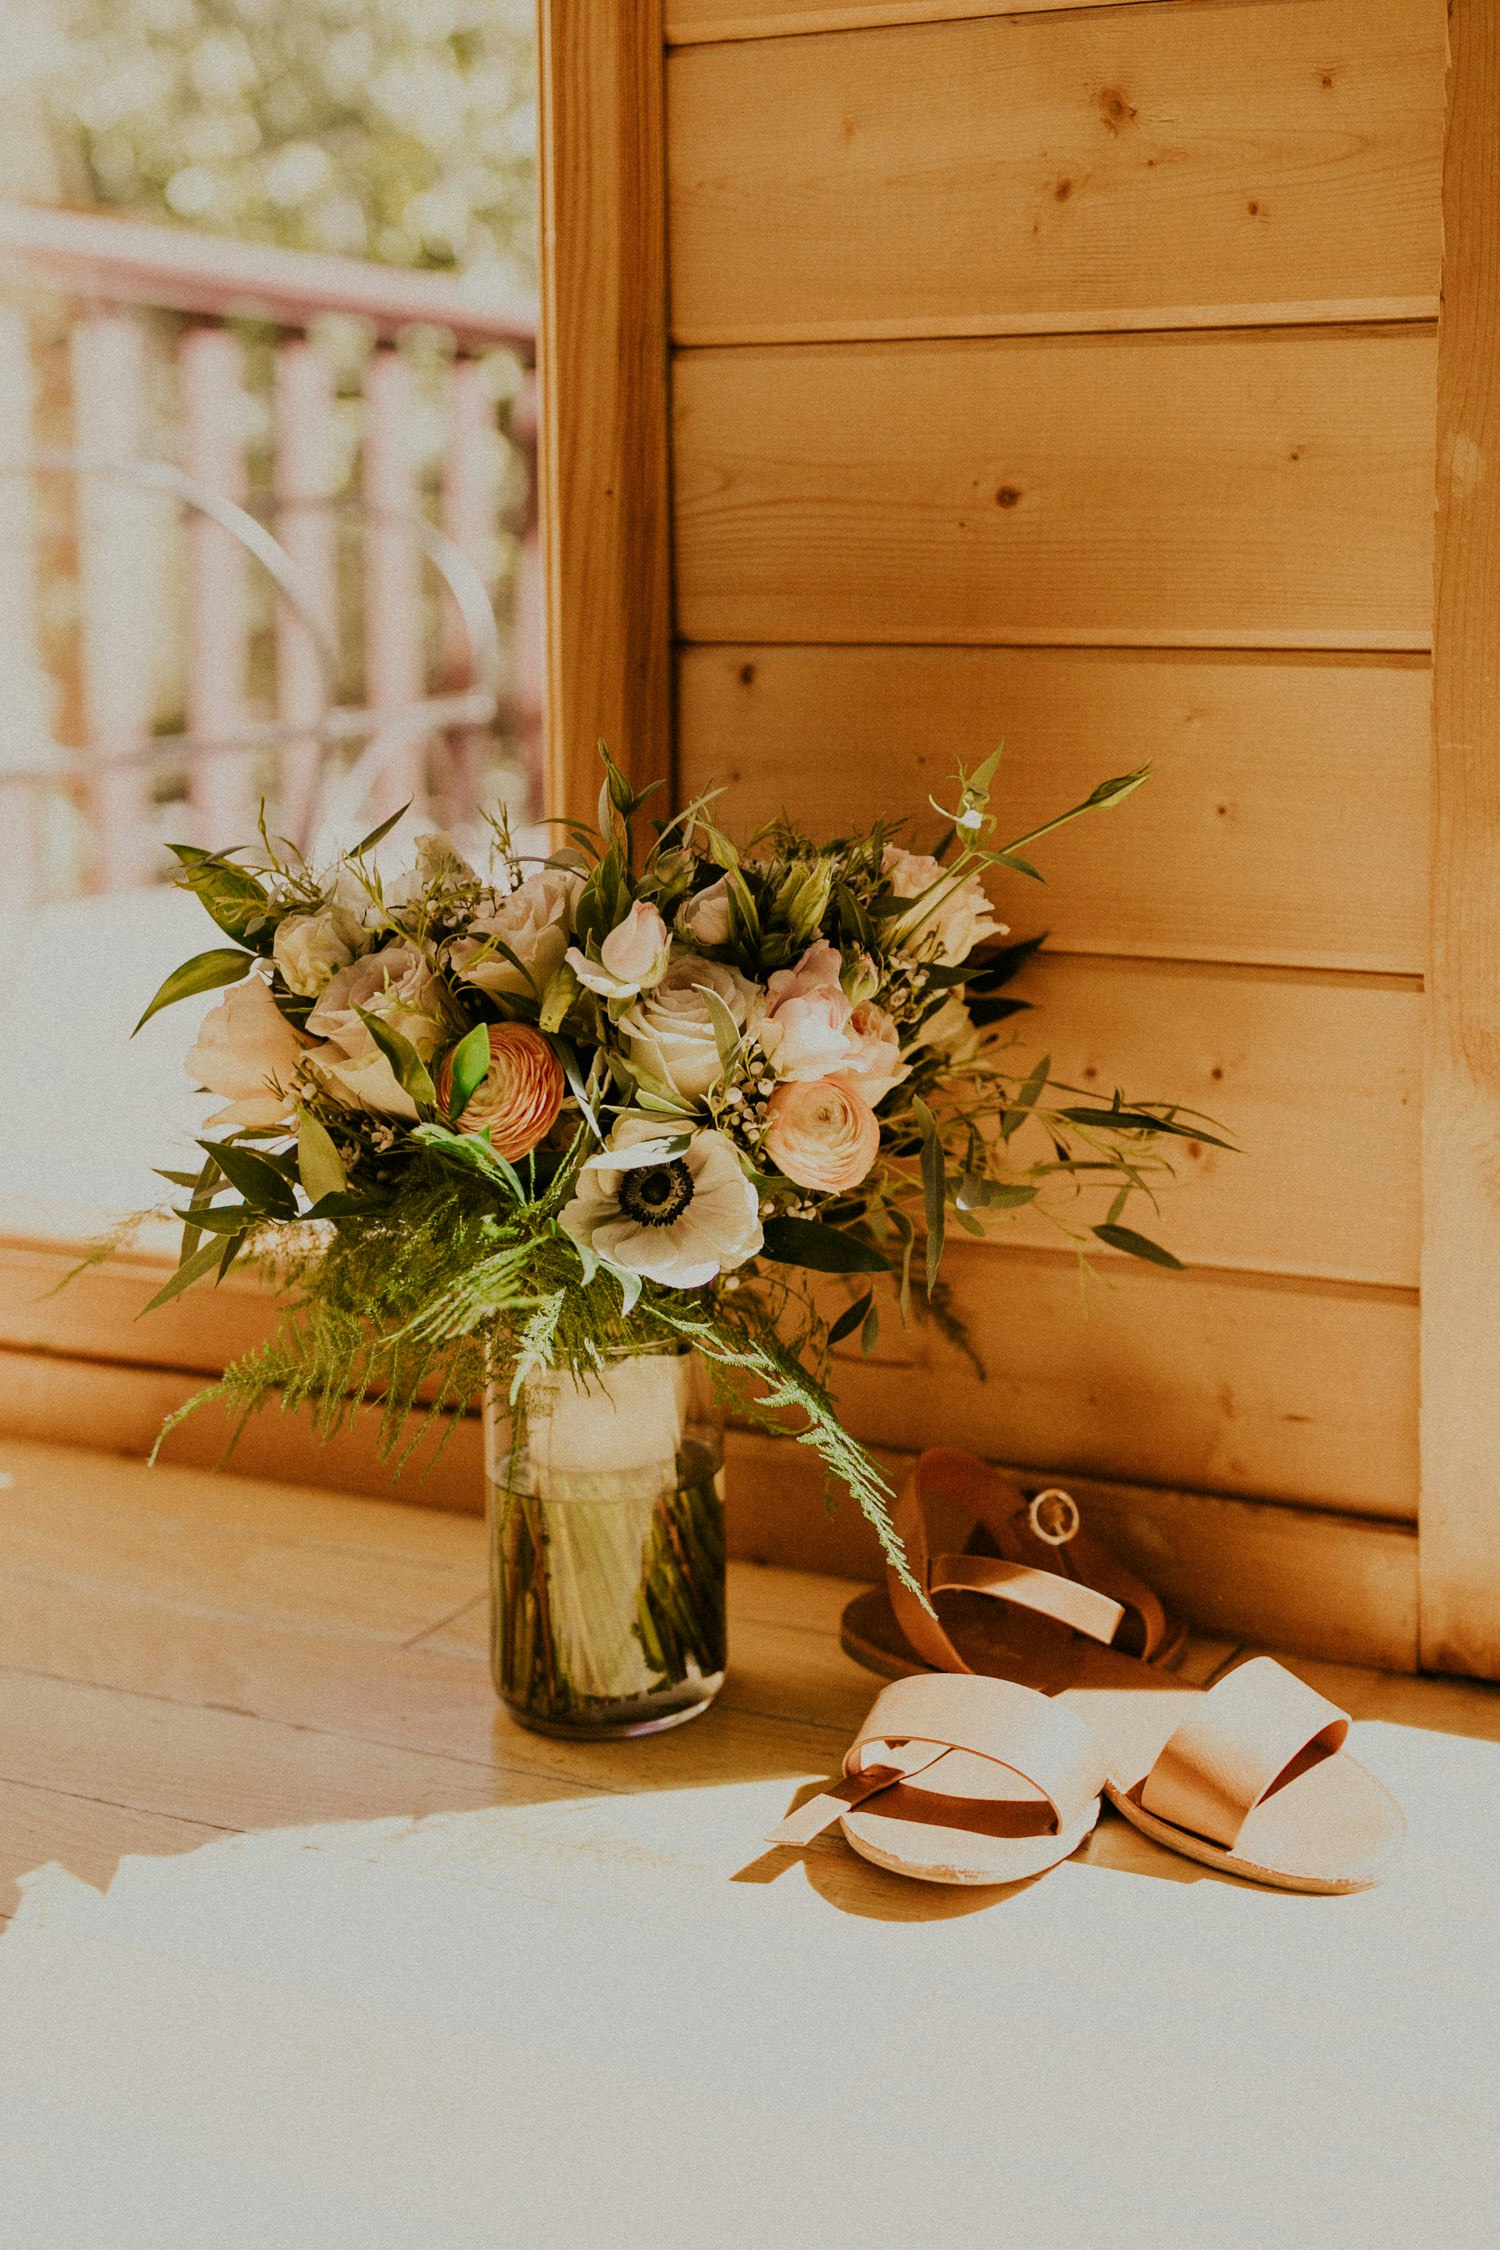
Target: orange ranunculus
520,1094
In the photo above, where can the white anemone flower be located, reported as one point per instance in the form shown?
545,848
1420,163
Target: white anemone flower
680,1219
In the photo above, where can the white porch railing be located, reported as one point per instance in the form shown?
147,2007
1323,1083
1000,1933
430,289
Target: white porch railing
414,682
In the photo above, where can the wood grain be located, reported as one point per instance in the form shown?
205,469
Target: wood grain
602,371
86,1834
1461,1179
1202,1381
1323,1578
1286,821
1252,489
1100,171
1316,1079
691,20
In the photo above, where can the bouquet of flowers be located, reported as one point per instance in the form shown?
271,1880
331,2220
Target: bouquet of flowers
644,1094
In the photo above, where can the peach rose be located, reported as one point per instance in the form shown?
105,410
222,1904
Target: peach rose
807,1014
518,1097
247,1050
874,1057
822,1134
956,916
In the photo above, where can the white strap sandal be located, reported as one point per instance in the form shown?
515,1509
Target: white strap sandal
961,1780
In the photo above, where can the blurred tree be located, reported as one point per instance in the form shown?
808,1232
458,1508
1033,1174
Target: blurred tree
403,130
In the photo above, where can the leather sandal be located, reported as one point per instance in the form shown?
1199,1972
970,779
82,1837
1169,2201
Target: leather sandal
961,1781
1250,1776
1032,1558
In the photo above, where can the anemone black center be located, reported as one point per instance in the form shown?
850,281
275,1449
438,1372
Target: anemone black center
656,1194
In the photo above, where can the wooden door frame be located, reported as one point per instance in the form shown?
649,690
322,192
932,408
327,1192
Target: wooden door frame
1459,1524
605,499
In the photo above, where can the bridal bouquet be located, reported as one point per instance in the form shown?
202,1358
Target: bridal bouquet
642,1095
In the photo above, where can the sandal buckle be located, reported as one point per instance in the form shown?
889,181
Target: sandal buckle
1054,1516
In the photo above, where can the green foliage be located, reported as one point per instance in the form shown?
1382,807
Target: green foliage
400,130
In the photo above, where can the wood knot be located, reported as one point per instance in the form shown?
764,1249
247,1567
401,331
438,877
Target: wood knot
747,675
1007,496
1116,110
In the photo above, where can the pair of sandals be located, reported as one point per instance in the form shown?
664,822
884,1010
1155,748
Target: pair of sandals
1034,1682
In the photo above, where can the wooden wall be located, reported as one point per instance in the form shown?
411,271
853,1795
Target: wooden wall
1070,378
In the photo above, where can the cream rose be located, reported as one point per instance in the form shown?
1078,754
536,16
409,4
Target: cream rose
824,1136
247,1050
954,920
670,1031
632,958
705,916
874,1060
520,1094
807,1016
682,1222
534,923
397,985
309,948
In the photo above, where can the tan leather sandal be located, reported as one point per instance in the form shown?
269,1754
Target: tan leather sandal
1034,1560
961,1781
1250,1776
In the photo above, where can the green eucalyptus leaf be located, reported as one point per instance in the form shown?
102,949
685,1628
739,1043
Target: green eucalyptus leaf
869,1335
262,1185
821,1248
1138,1246
1027,1099
562,990
1142,1121
469,1066
231,895
220,1218
727,1036
854,1318
412,1074
206,972
975,1193
192,1269
377,835
319,1165
934,1189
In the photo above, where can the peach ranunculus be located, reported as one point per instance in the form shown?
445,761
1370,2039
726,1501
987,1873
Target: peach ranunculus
247,1050
956,917
520,1094
823,1135
874,1058
807,1014
533,923
632,958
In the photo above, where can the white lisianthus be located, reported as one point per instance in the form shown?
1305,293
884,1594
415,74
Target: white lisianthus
247,1051
398,986
439,865
950,1031
309,948
632,958
670,1031
534,923
704,918
807,1016
955,918
873,1062
681,1222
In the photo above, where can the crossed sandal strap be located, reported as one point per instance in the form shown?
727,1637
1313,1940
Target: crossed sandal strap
1239,1740
914,1722
1043,1592
1048,1531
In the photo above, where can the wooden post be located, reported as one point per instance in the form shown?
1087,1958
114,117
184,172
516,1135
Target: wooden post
393,567
604,410
211,369
1460,1514
114,525
304,524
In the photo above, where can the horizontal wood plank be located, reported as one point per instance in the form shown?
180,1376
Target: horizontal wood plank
1319,1578
1208,863
86,1834
1317,1080
1202,1381
688,21
1215,490
1158,169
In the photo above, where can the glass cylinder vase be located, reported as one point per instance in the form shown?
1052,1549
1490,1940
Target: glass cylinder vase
606,1525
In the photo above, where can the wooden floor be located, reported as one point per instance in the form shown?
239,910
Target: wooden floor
309,1945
